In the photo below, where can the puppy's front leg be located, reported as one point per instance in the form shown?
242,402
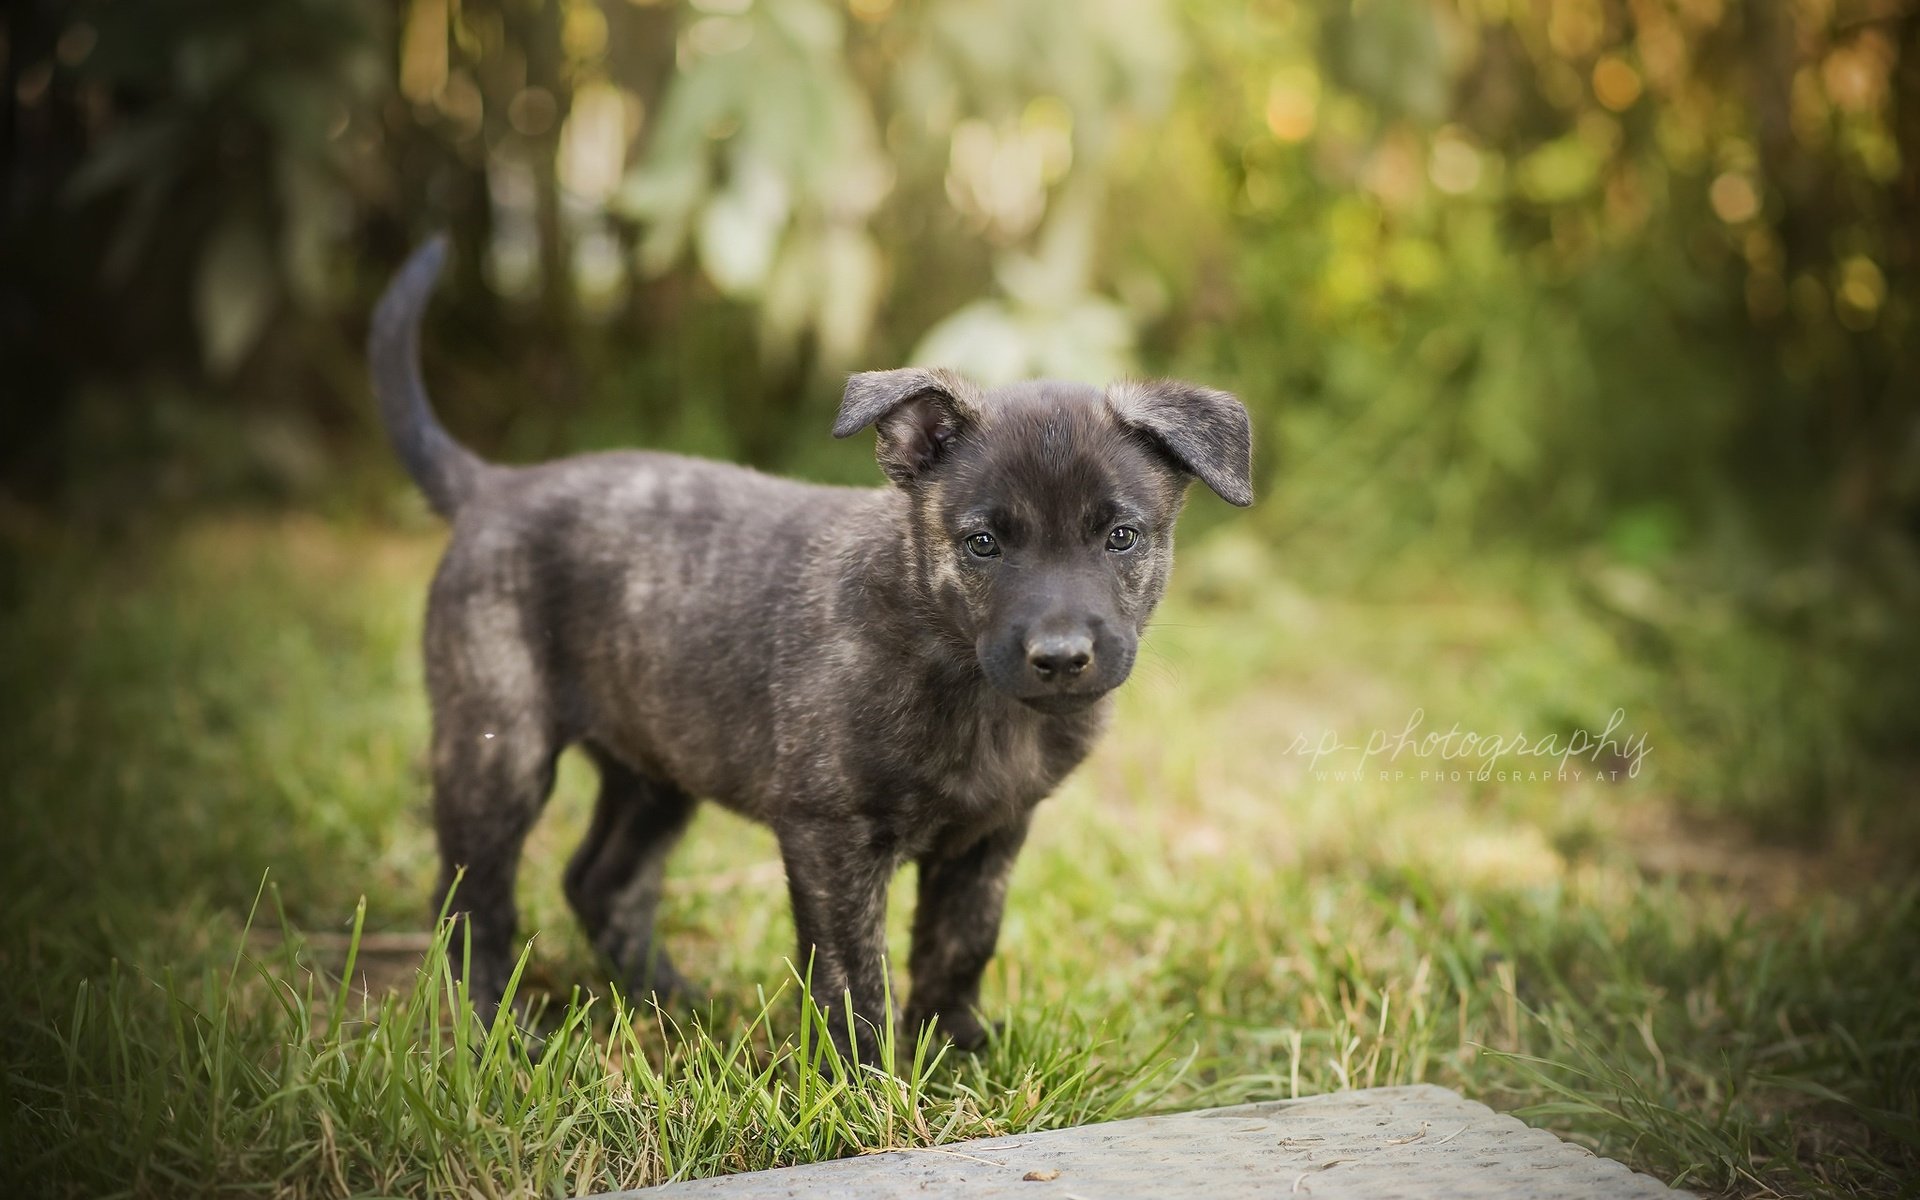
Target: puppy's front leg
956,923
838,884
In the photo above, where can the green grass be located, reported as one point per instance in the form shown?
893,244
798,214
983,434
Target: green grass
212,763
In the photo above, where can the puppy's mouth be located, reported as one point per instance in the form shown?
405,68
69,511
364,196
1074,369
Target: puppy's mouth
1059,704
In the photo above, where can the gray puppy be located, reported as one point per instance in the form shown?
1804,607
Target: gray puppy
880,675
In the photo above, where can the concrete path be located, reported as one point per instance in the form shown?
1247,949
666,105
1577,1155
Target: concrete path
1416,1142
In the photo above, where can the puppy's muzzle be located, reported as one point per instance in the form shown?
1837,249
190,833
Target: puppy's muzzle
1058,665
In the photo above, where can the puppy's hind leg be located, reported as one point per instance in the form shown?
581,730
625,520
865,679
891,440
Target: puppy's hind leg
613,881
490,781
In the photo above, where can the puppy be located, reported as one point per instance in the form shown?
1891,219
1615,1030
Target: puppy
882,676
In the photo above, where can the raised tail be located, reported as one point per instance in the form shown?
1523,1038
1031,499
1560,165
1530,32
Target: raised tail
445,470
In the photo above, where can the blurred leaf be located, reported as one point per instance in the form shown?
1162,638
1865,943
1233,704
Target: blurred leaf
741,226
662,194
309,227
1089,340
1393,54
984,339
1562,170
1645,535
810,23
233,294
136,149
849,290
134,230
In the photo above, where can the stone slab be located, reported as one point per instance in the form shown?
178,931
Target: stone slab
1421,1141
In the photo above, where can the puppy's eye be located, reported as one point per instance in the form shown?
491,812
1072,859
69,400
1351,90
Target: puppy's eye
1123,538
982,545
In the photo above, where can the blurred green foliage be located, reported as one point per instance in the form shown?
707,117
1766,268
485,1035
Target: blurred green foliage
1594,270
1634,273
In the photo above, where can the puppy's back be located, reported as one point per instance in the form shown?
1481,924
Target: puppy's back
653,593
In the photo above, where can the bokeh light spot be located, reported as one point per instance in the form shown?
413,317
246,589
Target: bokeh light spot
1862,290
1292,104
1733,198
1575,27
593,145
1616,83
423,51
532,111
1855,74
75,44
714,36
584,32
1454,165
461,103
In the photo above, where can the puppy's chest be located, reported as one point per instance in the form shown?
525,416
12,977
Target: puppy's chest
993,767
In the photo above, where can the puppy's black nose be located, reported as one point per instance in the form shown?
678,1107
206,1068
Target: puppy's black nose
1060,656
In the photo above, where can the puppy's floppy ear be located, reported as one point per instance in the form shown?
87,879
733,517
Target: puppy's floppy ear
1206,432
916,411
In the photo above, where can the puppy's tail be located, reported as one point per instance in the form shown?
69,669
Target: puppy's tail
445,470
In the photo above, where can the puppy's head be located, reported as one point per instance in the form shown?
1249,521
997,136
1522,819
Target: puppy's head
1043,512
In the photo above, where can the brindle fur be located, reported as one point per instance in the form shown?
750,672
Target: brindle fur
833,662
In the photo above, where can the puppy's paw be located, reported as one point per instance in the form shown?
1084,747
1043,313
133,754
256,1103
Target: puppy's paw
668,989
963,1028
